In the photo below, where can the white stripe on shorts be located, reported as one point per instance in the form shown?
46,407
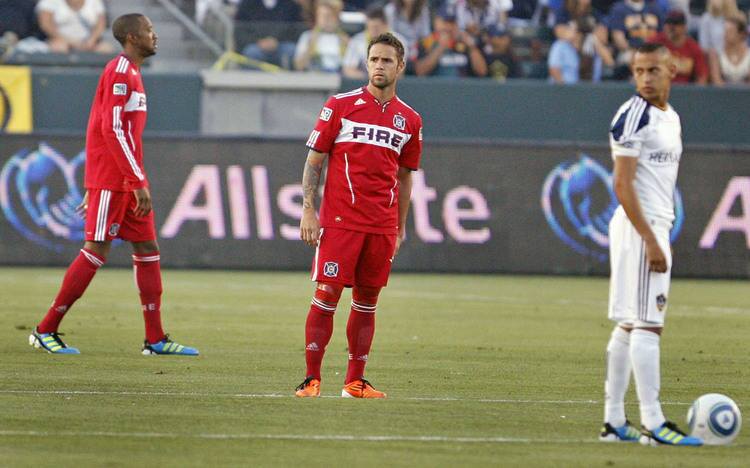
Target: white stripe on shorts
317,254
100,234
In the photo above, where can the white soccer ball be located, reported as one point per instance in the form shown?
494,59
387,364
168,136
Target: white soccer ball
715,418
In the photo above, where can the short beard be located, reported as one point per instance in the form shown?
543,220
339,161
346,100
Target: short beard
145,52
381,85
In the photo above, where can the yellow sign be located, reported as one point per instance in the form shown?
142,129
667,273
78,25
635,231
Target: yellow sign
15,100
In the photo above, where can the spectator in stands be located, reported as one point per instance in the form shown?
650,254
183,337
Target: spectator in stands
602,8
355,58
632,22
410,19
17,20
731,64
711,28
597,61
475,16
686,53
322,47
563,60
273,19
498,53
74,25
525,13
571,10
449,51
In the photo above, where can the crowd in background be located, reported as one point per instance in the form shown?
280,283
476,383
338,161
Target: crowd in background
59,26
563,41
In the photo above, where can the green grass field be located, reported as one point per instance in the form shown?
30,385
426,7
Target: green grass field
479,370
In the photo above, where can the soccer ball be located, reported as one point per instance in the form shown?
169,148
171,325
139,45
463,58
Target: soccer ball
715,418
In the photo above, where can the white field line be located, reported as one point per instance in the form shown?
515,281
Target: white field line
310,437
279,395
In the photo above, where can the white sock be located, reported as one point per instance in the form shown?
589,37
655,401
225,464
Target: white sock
618,377
644,354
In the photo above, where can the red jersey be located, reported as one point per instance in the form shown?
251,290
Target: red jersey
114,153
367,141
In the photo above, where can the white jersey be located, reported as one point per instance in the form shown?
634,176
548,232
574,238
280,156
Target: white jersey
654,136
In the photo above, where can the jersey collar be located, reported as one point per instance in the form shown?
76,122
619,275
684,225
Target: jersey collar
382,105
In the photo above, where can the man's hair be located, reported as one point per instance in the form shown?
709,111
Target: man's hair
126,24
376,12
651,47
391,40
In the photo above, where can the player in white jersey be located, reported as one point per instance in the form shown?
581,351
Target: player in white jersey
646,142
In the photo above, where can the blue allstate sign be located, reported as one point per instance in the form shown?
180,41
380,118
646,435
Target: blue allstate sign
578,201
39,194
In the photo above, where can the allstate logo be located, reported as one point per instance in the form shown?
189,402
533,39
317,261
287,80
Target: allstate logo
39,194
578,202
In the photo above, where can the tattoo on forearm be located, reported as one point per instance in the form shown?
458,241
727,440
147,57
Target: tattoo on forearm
310,182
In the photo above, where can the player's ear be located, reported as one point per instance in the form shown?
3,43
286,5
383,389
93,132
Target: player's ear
671,66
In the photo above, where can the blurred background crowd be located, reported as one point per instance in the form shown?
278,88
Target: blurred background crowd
562,41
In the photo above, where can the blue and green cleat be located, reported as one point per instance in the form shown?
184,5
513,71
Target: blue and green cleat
168,347
625,433
669,434
50,342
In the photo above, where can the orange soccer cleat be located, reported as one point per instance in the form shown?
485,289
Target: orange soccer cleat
310,388
360,389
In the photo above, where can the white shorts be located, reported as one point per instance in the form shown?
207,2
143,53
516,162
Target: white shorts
637,296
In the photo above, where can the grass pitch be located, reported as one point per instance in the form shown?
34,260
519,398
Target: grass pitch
479,370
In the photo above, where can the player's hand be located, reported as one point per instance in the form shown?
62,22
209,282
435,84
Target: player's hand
142,201
657,261
399,240
309,228
83,206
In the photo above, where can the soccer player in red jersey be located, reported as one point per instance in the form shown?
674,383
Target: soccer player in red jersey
373,141
117,201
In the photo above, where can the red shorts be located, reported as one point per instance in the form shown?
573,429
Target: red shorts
353,258
110,215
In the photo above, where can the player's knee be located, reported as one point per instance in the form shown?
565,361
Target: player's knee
328,293
101,249
365,295
146,247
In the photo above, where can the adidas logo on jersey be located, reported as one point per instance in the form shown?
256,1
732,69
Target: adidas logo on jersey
360,101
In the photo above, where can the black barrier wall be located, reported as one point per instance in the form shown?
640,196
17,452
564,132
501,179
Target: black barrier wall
500,208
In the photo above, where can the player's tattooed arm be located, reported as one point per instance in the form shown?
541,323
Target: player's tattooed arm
309,227
310,183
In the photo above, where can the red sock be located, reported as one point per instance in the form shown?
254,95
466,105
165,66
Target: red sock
75,282
148,279
319,326
360,330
